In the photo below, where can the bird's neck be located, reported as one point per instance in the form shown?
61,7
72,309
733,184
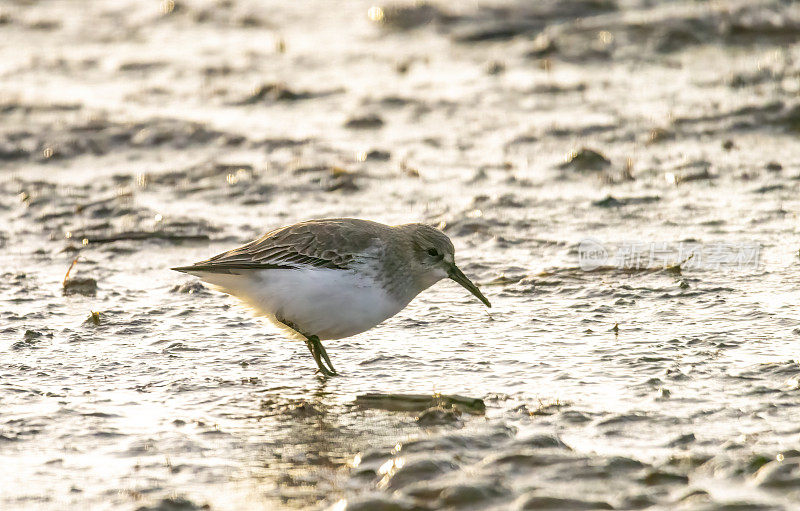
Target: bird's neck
393,274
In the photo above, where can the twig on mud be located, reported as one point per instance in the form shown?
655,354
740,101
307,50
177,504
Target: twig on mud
66,277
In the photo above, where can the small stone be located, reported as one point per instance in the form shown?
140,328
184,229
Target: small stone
403,67
378,155
585,160
340,179
495,68
657,135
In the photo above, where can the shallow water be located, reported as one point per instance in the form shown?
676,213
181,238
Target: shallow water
144,135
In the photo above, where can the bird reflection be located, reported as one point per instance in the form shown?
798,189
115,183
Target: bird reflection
308,442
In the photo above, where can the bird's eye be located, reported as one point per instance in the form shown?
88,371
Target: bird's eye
432,252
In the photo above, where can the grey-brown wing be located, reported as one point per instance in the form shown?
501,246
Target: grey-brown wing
321,244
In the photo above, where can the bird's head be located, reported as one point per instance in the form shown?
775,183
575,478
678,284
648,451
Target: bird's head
435,258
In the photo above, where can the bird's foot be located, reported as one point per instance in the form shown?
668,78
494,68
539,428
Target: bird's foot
318,352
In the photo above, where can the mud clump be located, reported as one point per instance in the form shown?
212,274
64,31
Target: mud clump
420,402
367,122
419,470
378,155
340,179
381,503
85,286
438,416
175,504
656,477
657,135
194,287
783,473
489,23
495,68
275,92
30,339
471,494
773,114
699,170
613,202
292,408
407,17
561,504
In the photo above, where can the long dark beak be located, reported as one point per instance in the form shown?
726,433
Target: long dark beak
462,279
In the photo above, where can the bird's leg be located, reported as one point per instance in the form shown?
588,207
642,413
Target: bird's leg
315,354
316,348
324,354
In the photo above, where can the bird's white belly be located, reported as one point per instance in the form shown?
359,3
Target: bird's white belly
328,303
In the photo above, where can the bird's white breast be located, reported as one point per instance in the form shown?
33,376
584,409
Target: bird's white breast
328,303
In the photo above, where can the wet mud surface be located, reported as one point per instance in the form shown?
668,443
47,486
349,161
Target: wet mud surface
136,136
